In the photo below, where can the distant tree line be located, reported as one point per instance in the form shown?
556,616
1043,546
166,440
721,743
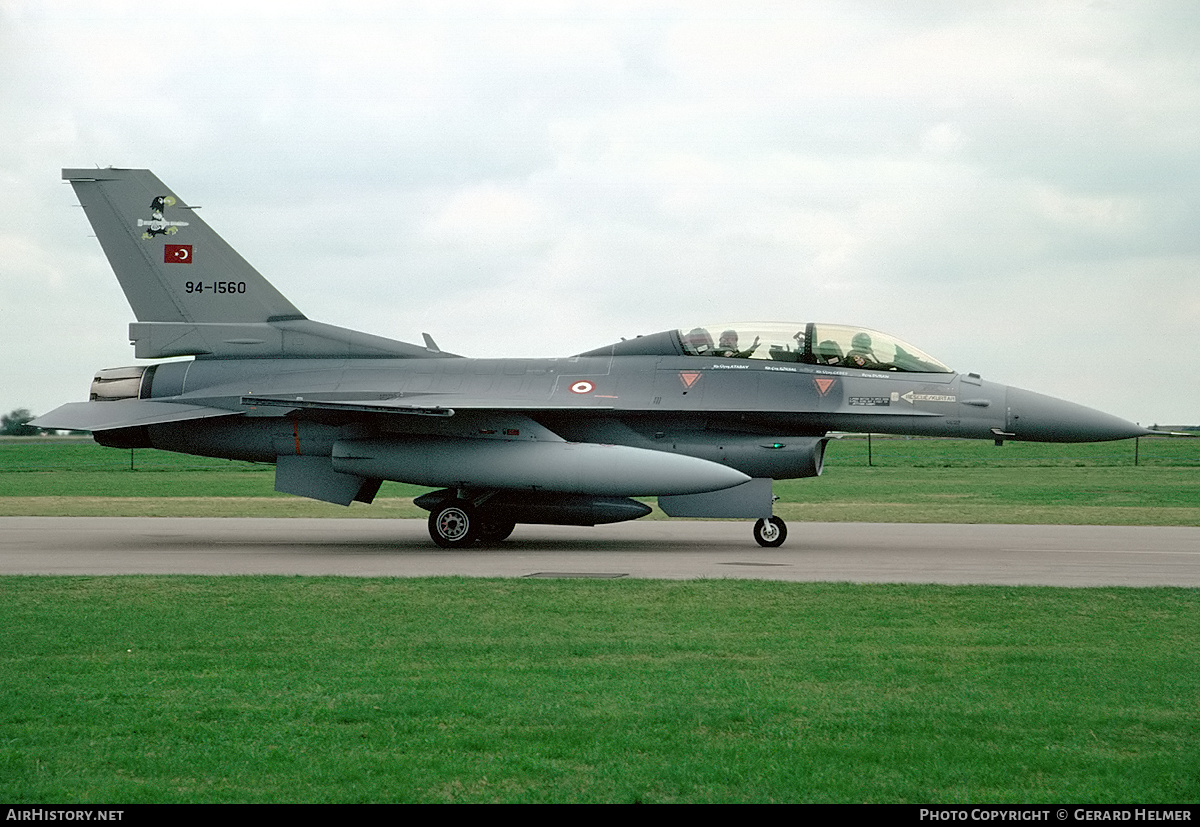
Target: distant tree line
16,423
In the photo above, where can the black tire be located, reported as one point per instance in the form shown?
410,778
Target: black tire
495,531
454,524
770,533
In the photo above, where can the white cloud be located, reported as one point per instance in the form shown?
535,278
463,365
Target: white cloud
490,217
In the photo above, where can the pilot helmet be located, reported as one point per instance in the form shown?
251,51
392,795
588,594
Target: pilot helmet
861,341
698,340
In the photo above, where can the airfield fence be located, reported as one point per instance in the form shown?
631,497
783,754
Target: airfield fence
916,452
81,454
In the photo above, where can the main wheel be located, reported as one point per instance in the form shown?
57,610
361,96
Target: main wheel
770,533
454,525
495,531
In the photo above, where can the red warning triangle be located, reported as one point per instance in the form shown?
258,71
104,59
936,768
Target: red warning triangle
824,383
688,377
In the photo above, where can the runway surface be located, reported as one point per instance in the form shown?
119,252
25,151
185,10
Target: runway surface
855,552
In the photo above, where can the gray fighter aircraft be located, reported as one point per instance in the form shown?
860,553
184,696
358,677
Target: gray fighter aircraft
703,417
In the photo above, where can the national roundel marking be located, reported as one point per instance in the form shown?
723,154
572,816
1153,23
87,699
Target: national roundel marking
582,387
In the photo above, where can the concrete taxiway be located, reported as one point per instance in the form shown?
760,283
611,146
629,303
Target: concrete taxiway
855,552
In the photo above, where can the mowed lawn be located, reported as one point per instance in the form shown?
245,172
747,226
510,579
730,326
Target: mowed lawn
236,689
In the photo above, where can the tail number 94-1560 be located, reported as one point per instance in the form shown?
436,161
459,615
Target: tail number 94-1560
215,287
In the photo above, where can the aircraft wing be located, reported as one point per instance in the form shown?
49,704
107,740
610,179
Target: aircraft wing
405,405
125,413
129,413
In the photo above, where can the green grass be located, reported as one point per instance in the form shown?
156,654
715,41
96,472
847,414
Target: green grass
151,689
931,480
184,689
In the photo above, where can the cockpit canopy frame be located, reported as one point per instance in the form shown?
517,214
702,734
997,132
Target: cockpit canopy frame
809,343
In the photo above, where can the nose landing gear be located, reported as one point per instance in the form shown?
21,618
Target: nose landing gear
770,533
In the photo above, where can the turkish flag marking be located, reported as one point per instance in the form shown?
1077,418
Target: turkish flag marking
177,254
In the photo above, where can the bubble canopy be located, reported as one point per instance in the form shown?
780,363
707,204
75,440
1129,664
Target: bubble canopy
810,343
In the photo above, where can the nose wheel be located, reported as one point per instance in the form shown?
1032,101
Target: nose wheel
770,533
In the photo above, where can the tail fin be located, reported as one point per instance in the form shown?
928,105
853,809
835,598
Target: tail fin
190,291
171,265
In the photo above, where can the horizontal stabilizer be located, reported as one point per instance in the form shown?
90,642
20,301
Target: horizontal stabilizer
126,413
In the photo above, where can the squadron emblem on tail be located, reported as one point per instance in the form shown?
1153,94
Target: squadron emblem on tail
157,225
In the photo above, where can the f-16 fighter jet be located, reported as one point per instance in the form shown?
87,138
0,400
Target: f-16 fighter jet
703,417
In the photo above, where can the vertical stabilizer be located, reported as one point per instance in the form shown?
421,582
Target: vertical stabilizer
171,265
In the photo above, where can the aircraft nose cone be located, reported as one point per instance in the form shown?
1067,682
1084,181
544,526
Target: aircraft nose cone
1040,418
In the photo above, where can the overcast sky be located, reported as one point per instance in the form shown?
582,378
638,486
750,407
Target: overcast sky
1012,187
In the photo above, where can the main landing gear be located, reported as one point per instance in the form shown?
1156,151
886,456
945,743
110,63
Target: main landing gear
458,524
770,533
454,525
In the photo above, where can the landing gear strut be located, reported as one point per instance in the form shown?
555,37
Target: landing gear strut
770,533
